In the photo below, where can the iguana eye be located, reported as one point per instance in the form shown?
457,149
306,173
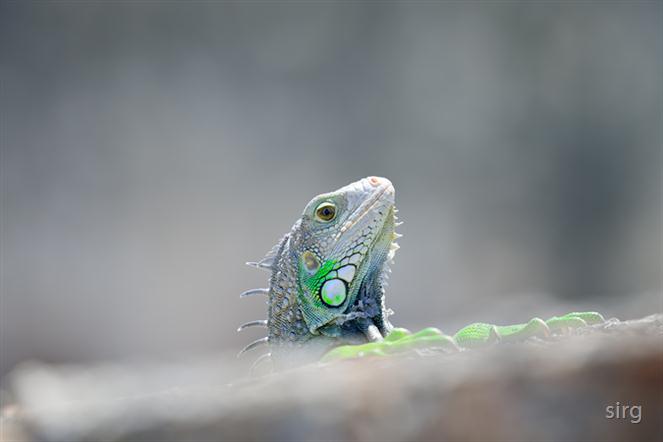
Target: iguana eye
325,212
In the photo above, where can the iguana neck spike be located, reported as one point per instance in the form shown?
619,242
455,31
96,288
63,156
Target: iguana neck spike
254,344
252,292
258,323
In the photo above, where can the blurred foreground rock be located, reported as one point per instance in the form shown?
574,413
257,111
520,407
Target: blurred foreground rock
553,390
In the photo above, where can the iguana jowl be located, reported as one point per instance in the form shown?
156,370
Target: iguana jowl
328,272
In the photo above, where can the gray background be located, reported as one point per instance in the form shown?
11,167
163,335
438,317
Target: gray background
150,149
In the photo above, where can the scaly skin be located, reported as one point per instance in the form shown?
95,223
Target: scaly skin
473,336
326,289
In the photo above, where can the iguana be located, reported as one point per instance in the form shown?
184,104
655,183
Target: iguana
326,290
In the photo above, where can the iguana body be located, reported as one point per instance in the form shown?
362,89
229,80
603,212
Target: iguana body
326,288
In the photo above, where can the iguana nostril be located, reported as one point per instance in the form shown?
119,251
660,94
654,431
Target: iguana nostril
376,181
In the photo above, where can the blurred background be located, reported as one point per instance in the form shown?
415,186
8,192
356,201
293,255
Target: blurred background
150,149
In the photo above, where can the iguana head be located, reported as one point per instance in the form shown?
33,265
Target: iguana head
328,273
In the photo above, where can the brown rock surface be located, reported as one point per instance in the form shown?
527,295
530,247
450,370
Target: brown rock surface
552,390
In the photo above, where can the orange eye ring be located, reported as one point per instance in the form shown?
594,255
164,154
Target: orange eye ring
325,212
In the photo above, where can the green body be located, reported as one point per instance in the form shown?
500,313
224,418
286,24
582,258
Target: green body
473,336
